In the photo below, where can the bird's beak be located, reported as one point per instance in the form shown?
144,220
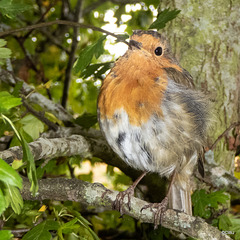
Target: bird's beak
134,44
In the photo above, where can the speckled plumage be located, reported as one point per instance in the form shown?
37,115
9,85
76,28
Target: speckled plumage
152,116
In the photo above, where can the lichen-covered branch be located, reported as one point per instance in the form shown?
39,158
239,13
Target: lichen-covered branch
44,148
48,148
98,196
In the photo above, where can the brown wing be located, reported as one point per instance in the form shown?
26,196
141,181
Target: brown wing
182,77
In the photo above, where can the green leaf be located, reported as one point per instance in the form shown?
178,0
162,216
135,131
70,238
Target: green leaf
11,8
6,235
3,203
4,52
200,203
7,101
32,126
224,222
9,175
235,228
86,55
203,201
31,168
27,157
13,196
96,69
217,197
41,231
163,17
86,120
67,227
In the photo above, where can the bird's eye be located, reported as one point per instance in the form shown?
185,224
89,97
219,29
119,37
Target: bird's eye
158,51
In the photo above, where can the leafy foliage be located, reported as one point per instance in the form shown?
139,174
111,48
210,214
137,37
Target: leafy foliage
8,101
27,157
203,202
11,8
86,55
6,234
41,231
86,120
163,17
10,183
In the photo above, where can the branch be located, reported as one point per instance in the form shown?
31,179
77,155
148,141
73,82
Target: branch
233,125
98,196
96,145
49,106
61,22
40,116
50,148
77,17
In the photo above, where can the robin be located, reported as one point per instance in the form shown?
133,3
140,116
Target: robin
153,118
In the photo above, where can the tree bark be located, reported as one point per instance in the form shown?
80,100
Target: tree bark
205,38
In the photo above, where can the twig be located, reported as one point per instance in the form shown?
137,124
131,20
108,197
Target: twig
61,22
224,134
42,17
77,16
40,116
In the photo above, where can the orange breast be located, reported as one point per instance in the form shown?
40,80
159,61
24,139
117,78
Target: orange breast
135,86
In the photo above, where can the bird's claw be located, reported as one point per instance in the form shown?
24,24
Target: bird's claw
118,203
158,210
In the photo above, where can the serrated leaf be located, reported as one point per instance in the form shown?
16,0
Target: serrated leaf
6,235
86,120
163,17
9,175
235,228
202,201
224,222
32,126
8,101
11,8
217,197
41,231
13,196
86,55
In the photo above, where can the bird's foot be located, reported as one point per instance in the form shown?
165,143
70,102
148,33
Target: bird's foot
158,209
118,203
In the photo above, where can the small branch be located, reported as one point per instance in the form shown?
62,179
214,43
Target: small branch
61,22
40,116
50,148
35,97
77,17
93,143
54,40
233,125
98,196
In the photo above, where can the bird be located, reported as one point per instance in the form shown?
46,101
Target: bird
154,118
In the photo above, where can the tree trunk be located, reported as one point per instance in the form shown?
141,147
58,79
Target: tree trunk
205,39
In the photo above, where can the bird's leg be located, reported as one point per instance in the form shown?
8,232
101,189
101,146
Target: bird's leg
118,203
160,208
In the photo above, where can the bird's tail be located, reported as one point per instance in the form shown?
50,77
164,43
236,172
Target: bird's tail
180,187
180,198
